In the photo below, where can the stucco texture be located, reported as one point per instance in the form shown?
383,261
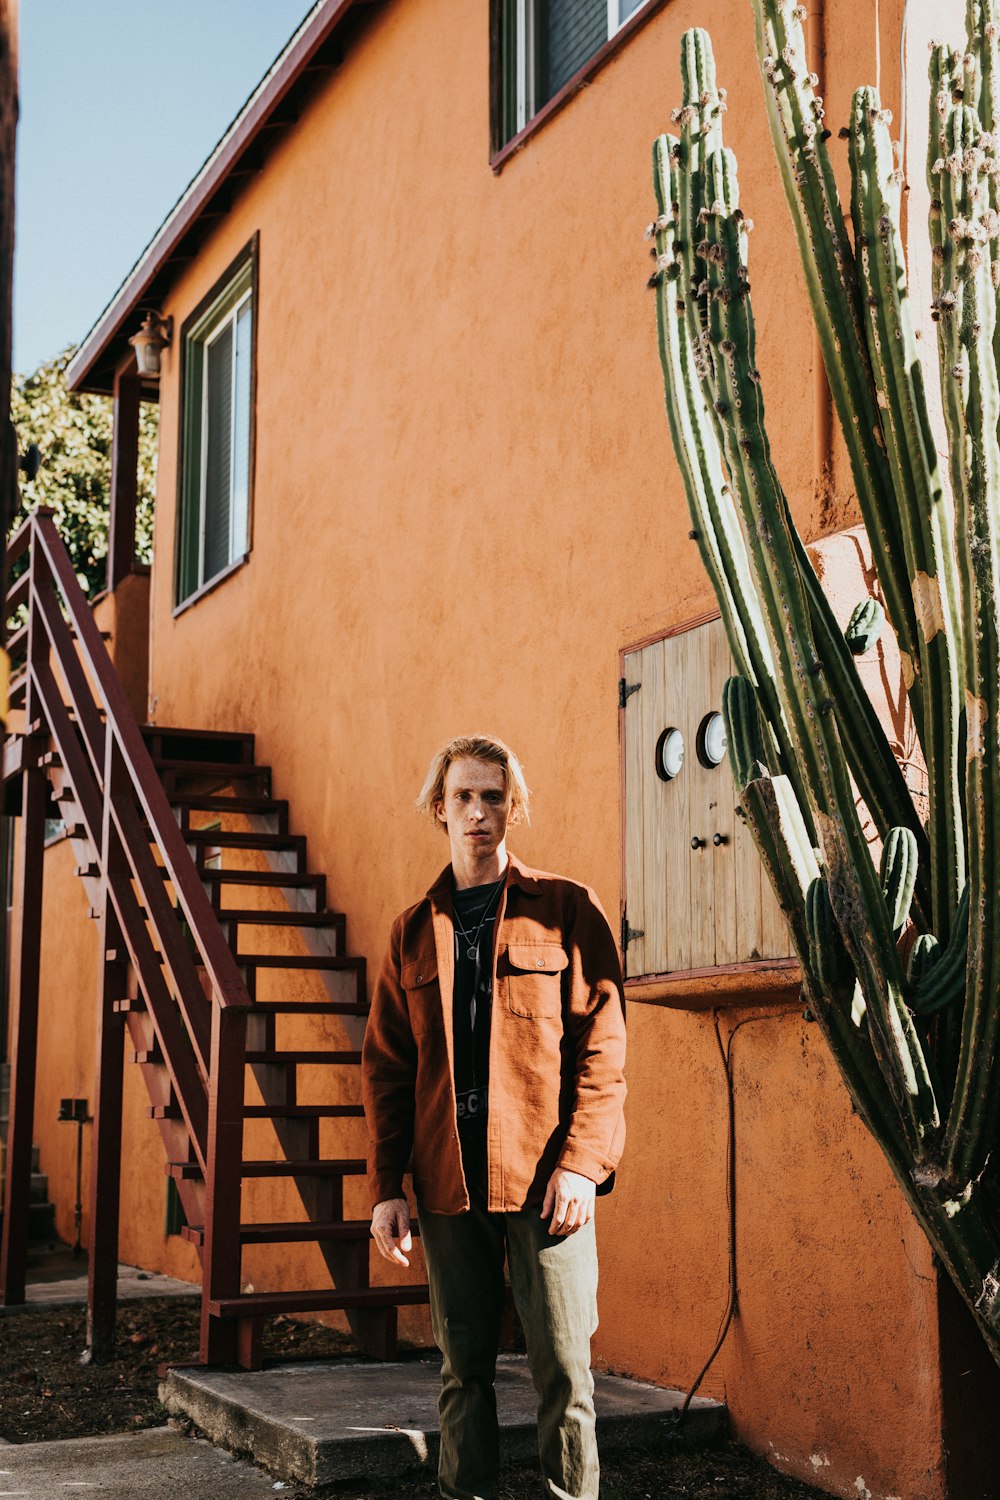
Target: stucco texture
465,506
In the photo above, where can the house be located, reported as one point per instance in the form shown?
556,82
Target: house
415,479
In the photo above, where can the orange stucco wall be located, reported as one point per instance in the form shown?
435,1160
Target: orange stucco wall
465,506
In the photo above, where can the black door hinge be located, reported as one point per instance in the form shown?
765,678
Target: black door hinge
629,934
625,690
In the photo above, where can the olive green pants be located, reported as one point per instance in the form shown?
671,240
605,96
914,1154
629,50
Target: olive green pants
554,1281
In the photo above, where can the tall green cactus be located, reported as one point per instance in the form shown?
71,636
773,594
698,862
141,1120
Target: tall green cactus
917,1042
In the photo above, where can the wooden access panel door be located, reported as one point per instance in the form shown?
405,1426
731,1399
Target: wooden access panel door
694,884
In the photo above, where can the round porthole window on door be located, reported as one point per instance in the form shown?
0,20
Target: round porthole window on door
669,754
711,746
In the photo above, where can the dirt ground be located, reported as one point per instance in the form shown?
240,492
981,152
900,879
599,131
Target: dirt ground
46,1393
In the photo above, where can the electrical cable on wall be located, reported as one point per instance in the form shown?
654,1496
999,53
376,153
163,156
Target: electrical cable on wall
726,1052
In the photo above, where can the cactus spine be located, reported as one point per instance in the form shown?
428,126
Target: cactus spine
919,1047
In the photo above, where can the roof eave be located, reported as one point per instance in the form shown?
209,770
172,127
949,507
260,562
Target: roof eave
97,349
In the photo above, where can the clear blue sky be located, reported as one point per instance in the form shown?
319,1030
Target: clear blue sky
121,101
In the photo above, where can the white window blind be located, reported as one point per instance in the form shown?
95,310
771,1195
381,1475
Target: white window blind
218,419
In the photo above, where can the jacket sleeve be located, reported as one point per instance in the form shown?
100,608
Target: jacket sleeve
595,1028
388,1079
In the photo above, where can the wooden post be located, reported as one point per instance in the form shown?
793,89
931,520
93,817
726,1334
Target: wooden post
105,1177
8,132
124,475
24,1038
223,1341
8,441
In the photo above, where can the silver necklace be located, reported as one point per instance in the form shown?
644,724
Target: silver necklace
472,952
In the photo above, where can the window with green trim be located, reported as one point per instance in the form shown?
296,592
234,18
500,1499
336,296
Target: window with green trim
218,395
542,44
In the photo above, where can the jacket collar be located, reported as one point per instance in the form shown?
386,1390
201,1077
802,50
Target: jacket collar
527,880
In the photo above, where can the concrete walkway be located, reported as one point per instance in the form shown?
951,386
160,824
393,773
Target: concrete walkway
321,1422
151,1465
70,1288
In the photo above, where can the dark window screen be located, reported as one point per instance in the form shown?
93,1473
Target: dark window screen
571,31
218,461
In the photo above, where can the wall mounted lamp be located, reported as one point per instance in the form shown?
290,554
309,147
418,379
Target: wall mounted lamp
153,337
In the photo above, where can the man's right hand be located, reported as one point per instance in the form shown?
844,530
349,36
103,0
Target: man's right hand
391,1229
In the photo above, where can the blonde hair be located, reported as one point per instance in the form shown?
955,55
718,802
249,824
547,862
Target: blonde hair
483,747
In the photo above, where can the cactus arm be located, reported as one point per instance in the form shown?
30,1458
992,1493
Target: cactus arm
713,514
898,873
878,774
700,122
795,117
943,67
968,325
880,780
816,741
716,526
939,974
864,627
923,507
982,78
779,831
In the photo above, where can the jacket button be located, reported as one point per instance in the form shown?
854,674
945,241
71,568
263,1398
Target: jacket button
420,979
540,962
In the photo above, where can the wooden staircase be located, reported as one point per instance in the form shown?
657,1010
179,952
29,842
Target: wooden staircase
223,968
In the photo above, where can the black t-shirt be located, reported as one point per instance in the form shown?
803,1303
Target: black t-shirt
475,917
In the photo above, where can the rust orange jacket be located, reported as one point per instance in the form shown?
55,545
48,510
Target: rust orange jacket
557,1046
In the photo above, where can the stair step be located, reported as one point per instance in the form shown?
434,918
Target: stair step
177,732
288,1234
303,1111
309,1008
213,802
349,1058
232,769
343,1167
272,1112
280,879
300,961
323,1300
223,838
251,918
136,1004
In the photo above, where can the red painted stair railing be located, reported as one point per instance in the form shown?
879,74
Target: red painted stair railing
174,978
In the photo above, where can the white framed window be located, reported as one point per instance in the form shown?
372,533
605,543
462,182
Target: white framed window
543,43
217,429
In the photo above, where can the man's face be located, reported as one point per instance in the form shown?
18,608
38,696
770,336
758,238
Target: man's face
474,809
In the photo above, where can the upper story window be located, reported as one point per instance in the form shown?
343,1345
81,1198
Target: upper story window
216,430
543,43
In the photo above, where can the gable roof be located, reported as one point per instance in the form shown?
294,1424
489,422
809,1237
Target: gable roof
315,49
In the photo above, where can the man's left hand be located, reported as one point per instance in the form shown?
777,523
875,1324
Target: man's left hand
569,1198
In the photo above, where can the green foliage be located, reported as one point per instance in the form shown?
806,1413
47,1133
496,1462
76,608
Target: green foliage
73,433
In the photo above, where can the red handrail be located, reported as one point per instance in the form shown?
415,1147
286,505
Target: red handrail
62,632
228,987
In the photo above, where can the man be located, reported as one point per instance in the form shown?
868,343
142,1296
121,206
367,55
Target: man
494,1055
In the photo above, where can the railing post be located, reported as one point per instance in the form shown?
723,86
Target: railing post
223,1340
124,476
105,1177
23,1036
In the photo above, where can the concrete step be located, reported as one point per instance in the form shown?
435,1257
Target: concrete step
336,1423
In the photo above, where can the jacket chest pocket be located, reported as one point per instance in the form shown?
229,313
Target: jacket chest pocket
423,996
534,979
